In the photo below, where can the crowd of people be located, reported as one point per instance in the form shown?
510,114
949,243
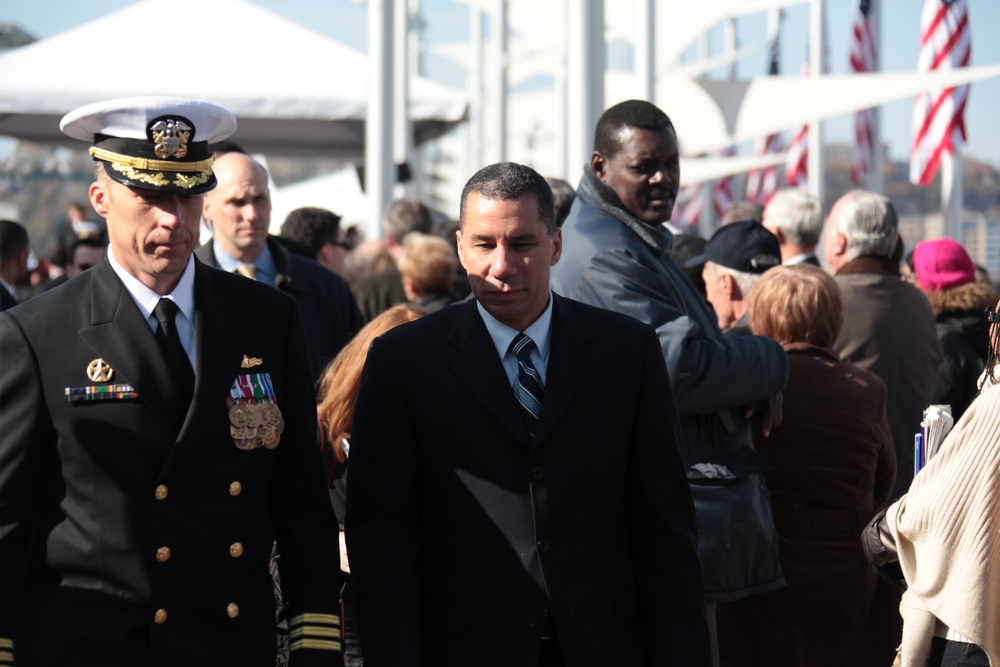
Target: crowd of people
577,435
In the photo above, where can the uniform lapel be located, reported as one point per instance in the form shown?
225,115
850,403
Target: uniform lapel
218,363
569,364
119,334
479,368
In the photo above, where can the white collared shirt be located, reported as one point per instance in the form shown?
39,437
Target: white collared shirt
146,299
540,331
798,259
7,286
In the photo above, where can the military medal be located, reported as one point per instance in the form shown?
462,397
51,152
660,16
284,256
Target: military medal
99,370
254,418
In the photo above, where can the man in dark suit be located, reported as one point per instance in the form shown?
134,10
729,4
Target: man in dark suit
239,214
13,260
532,509
795,217
157,434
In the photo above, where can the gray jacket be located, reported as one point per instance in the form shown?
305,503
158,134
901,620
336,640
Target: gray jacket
614,261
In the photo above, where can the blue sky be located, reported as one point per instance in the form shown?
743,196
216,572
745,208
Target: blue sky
447,20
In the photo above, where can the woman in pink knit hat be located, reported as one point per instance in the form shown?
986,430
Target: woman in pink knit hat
948,277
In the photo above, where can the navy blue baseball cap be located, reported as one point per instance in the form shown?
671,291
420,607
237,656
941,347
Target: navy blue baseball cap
741,246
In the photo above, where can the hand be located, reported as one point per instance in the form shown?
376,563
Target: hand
345,566
770,413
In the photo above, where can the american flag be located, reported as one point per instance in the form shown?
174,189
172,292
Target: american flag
797,162
939,115
762,183
862,60
687,208
722,191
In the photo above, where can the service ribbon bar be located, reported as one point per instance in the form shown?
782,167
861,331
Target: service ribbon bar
100,392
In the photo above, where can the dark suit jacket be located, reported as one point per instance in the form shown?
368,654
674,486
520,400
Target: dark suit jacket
329,315
7,300
91,492
461,531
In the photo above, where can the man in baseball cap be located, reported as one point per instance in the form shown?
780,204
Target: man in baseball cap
734,259
158,433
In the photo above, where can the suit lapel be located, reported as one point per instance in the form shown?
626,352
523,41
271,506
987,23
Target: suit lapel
569,363
218,363
119,334
479,368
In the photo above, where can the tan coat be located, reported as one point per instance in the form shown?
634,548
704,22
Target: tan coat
947,532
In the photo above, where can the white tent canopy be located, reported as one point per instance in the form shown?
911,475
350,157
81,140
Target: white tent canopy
292,90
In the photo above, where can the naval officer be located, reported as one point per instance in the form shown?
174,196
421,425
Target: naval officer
157,433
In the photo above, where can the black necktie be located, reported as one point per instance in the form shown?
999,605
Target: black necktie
180,384
528,388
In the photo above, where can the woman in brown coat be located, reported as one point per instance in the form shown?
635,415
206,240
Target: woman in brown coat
832,465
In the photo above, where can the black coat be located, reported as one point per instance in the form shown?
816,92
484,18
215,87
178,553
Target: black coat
964,339
330,317
7,299
110,516
461,531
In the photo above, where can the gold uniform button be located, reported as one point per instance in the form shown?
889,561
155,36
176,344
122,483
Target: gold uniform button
235,489
163,554
162,491
235,549
160,617
233,610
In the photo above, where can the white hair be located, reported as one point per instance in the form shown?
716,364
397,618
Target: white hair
868,221
797,214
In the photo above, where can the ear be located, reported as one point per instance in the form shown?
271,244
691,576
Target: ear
323,256
98,195
411,294
206,210
556,246
839,246
598,165
461,248
728,286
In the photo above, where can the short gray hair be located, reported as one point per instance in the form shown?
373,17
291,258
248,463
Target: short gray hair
868,220
797,215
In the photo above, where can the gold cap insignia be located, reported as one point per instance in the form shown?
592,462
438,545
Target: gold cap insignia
99,370
250,362
171,137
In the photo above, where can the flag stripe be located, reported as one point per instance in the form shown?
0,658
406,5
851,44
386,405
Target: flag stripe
862,60
939,115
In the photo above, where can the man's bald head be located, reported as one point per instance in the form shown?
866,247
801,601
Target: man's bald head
239,208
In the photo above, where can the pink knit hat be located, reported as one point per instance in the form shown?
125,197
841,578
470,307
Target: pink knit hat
942,264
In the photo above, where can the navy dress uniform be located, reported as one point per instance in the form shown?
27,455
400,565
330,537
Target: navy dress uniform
138,508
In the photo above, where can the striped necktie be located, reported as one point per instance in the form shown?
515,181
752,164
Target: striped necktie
528,388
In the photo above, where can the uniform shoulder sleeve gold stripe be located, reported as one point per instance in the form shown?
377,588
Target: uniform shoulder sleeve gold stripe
6,643
329,619
315,630
6,658
320,644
